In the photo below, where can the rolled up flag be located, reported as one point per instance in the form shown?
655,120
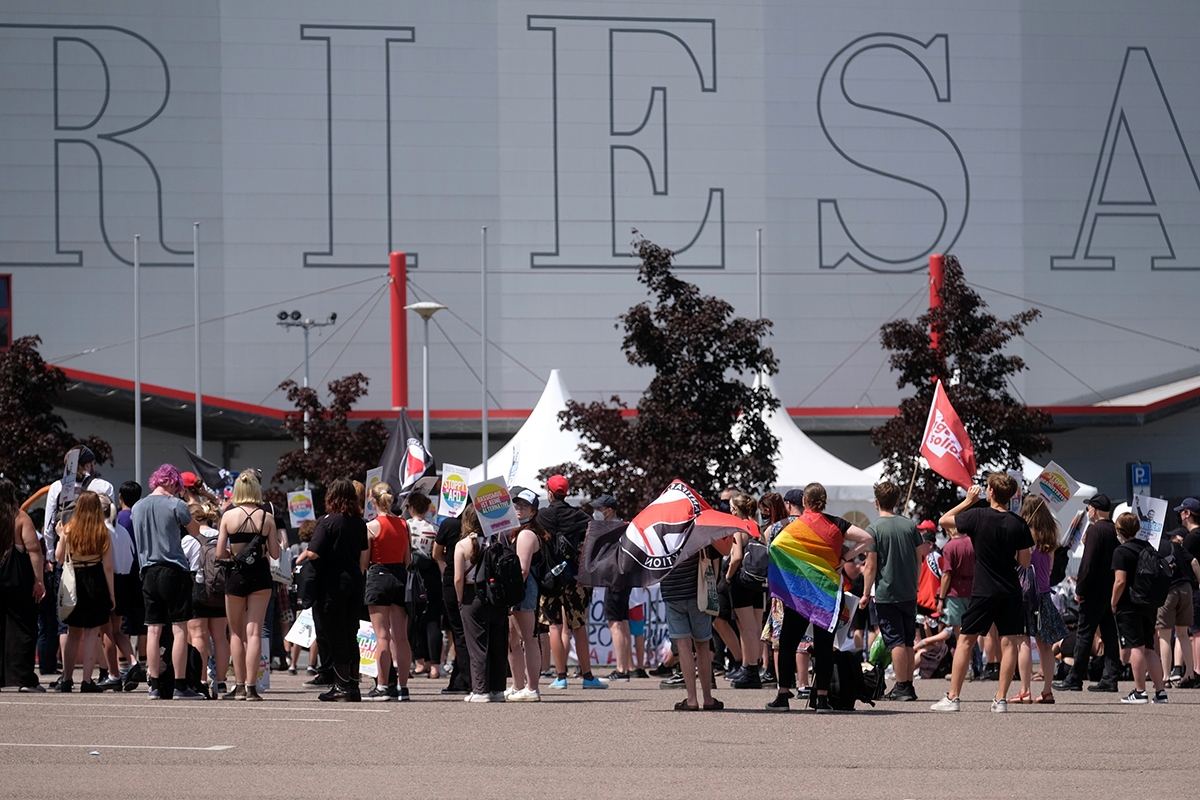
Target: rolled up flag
803,573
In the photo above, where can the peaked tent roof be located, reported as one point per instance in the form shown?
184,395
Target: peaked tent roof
541,442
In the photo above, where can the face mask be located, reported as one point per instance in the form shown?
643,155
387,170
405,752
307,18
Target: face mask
598,516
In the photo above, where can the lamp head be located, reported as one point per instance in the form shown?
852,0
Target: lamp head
295,316
282,316
425,309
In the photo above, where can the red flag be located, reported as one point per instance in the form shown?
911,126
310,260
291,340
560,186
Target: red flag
946,445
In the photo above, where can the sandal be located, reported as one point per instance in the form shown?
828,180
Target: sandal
1045,698
1021,697
717,705
682,705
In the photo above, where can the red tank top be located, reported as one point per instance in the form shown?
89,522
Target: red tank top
391,545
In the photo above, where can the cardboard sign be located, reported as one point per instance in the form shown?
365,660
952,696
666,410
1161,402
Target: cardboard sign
453,497
1055,486
1151,513
366,650
300,507
1014,505
495,507
516,463
303,632
374,476
70,489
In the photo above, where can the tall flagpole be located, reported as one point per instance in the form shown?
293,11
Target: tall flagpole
137,361
484,327
758,267
196,309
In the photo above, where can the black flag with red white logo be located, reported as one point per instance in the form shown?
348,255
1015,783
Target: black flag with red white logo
405,460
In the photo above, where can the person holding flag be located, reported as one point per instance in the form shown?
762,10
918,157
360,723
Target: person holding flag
807,558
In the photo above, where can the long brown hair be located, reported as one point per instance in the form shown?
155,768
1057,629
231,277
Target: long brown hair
342,498
1041,522
471,527
9,507
771,504
89,535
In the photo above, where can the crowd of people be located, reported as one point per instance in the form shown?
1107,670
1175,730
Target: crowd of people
182,586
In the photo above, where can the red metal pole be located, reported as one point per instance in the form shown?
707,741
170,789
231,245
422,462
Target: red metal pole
937,273
398,271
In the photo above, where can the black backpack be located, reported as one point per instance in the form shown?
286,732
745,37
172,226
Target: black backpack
850,683
756,558
213,572
500,575
1152,579
554,553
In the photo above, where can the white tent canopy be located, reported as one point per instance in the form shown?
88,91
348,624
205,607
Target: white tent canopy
800,461
541,442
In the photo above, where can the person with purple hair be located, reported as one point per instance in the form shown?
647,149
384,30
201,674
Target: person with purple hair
158,520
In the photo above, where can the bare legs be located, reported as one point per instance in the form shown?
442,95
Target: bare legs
391,643
246,615
524,651
687,663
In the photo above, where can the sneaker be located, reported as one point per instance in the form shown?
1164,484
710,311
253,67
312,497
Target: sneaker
904,693
450,690
1177,672
640,673
945,704
1136,698
595,683
736,674
252,694
662,671
549,673
36,688
768,678
498,697
618,677
63,685
187,694
1068,685
780,703
821,704
111,683
311,671
479,698
672,682
341,694
291,671
559,683
1103,687
1160,697
999,706
526,695
400,693
238,692
748,680
510,691
378,694
803,692
152,692
318,681
89,687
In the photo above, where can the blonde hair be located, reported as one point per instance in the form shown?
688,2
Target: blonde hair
106,506
381,493
203,513
247,489
743,505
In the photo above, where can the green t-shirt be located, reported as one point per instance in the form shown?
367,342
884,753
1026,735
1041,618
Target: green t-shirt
896,542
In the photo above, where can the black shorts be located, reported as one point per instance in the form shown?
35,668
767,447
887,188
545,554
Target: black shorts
244,581
741,596
128,589
1135,626
166,594
200,610
1006,613
898,623
616,604
385,585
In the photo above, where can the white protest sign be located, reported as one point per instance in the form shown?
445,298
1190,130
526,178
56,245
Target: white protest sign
303,632
1055,486
453,498
300,507
516,463
1014,505
374,476
1151,513
495,507
366,650
70,469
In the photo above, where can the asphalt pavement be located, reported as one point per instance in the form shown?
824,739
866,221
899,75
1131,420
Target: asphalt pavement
616,743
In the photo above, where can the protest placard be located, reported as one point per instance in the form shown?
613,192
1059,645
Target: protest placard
300,507
303,632
366,650
1055,486
70,489
1151,513
495,507
454,490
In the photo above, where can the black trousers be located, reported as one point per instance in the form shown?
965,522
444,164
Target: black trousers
460,679
1093,616
18,621
338,612
47,612
790,633
486,629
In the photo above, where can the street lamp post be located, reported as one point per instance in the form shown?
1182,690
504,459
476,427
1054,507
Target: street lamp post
426,310
297,320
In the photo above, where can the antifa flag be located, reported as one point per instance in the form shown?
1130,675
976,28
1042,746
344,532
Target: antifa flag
215,478
405,460
946,445
667,532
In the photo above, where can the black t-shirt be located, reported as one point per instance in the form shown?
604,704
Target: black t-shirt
682,582
1191,543
1125,558
339,540
562,517
447,536
996,536
1182,574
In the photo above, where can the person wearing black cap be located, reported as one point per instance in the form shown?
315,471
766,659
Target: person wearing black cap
1187,555
1093,592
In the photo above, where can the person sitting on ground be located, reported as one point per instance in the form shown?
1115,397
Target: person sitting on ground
1135,621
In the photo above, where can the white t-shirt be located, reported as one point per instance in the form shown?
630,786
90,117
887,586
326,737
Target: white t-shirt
421,534
48,535
191,549
122,549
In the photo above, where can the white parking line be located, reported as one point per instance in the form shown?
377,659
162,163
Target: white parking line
206,719
340,708
214,748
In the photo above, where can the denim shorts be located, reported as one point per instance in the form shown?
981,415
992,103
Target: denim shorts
685,620
530,602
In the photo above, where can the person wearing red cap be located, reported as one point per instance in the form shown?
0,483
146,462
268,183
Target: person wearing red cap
570,609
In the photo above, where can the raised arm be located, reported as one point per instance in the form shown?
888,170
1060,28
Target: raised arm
947,520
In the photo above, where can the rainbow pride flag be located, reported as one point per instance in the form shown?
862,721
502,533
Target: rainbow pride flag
804,569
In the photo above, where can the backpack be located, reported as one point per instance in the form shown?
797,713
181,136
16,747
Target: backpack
64,510
1152,579
555,552
752,572
851,683
211,591
500,575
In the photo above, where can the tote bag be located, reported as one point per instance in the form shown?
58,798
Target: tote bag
706,588
68,593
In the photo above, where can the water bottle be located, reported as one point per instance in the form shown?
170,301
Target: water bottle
559,569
